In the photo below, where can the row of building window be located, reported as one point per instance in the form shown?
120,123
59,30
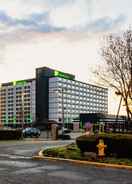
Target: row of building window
3,93
76,109
85,102
15,87
75,83
13,96
79,92
16,121
77,106
81,97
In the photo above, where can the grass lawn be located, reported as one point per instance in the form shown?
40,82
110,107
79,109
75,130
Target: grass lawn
73,152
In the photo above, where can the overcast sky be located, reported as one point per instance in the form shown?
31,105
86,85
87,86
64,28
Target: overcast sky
62,34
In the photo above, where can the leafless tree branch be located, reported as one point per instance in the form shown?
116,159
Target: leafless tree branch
117,54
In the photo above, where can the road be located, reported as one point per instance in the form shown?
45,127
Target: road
17,167
28,147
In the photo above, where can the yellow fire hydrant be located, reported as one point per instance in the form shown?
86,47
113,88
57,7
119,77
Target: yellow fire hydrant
101,149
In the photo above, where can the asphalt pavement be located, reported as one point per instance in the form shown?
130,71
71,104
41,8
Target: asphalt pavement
18,167
16,170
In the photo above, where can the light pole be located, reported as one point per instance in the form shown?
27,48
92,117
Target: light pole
62,103
22,101
61,90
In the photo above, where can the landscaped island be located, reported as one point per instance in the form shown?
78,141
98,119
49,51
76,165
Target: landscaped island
118,151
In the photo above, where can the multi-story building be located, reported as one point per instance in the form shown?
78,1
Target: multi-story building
69,98
17,103
52,95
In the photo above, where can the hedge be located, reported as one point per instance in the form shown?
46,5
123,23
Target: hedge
12,134
119,145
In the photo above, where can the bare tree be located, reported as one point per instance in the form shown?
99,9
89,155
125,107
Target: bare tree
117,54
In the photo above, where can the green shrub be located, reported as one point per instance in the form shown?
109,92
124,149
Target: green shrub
69,152
119,145
51,152
10,134
87,143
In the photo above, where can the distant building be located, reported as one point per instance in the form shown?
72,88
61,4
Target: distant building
101,118
108,122
52,95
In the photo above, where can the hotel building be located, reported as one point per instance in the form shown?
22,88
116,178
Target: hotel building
51,95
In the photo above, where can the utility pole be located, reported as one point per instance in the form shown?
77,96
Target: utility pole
22,101
61,90
62,103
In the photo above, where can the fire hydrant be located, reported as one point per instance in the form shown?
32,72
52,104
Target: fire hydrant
101,149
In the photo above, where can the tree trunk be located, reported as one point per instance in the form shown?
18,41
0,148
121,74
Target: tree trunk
129,114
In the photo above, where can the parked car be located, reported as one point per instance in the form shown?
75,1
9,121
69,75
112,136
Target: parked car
64,134
31,132
66,130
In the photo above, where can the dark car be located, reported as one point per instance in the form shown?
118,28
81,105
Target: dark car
31,132
66,130
64,133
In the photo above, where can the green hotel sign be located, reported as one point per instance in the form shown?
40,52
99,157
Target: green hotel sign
19,83
63,75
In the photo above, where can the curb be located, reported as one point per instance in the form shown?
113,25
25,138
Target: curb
81,162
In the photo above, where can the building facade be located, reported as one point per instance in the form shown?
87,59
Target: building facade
52,95
69,98
17,103
106,122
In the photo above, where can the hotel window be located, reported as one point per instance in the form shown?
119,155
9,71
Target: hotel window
27,87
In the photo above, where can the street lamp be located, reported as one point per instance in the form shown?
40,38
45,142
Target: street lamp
62,106
22,101
62,101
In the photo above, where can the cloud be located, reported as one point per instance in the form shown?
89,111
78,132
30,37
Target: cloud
57,3
35,33
35,22
75,19
40,22
23,8
105,24
5,19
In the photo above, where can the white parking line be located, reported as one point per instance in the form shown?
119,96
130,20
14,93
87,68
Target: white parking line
12,156
43,169
14,163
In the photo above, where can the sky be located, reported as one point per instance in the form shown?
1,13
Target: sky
62,34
